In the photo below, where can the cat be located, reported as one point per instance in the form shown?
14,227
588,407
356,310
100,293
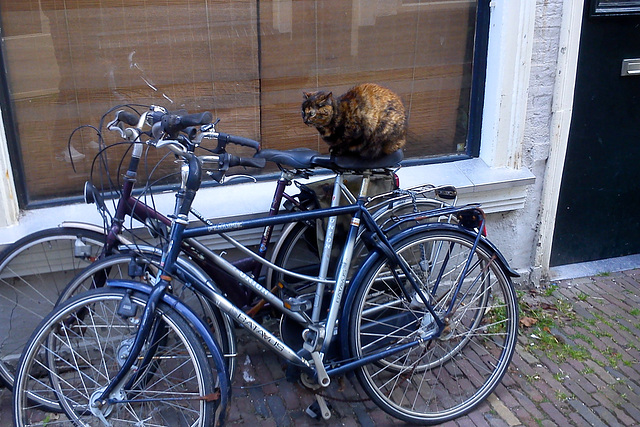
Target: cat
368,120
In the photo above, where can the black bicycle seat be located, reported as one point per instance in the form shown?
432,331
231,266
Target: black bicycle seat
295,157
357,163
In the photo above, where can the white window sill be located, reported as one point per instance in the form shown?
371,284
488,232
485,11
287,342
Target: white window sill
497,189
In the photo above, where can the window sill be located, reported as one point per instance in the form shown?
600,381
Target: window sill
497,189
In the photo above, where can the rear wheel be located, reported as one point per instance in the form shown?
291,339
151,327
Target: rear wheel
434,379
79,348
33,272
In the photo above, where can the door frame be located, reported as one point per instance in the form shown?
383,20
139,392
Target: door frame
561,113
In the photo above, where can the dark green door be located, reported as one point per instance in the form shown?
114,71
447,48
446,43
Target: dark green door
599,203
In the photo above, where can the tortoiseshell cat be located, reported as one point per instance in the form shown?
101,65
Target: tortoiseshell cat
368,120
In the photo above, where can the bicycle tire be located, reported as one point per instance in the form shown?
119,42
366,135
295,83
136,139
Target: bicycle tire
117,267
445,377
299,251
33,271
71,357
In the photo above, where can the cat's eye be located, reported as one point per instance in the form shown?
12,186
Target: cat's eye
312,113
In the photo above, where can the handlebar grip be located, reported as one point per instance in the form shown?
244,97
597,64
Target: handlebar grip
196,119
252,162
225,138
173,123
128,117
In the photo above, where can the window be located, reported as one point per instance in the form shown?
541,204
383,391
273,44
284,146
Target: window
246,61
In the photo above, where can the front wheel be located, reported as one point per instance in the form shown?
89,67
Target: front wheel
79,348
434,380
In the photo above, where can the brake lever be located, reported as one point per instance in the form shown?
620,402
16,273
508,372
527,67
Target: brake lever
172,145
118,126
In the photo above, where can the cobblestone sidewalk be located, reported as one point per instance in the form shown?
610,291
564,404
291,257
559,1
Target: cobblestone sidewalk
577,363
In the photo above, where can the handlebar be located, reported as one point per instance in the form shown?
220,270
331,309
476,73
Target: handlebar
173,123
128,117
251,162
224,138
181,133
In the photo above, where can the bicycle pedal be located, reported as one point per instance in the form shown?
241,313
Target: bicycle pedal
319,411
298,305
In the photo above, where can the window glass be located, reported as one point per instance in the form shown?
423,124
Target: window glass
246,61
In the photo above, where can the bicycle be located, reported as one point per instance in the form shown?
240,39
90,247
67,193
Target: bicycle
87,243
430,320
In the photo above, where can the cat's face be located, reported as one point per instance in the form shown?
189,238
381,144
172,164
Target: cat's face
317,108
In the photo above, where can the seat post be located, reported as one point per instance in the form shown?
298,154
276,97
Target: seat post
364,187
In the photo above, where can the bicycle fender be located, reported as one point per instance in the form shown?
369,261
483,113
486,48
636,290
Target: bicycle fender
487,244
376,254
93,227
202,330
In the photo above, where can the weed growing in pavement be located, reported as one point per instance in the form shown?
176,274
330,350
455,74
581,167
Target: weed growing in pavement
603,320
550,290
576,353
581,336
588,370
634,312
560,376
612,356
532,378
542,318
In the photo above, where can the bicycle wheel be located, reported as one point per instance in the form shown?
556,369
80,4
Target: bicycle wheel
299,251
437,379
143,266
75,352
33,272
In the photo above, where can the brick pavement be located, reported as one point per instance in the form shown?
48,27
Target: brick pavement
577,363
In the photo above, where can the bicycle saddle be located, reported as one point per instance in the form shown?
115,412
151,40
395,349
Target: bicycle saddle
295,157
351,163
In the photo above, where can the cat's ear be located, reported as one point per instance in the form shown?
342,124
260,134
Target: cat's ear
306,94
326,96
